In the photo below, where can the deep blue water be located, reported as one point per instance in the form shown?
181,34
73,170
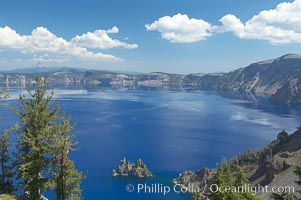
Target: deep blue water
171,131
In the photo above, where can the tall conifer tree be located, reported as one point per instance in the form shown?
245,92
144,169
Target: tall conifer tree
6,164
67,178
38,118
45,141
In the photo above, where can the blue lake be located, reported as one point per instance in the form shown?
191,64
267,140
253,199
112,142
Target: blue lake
171,131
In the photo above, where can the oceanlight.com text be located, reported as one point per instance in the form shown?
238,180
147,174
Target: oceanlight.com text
214,188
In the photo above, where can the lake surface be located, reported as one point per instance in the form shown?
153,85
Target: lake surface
171,131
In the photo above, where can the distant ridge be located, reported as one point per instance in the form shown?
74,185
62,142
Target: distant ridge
31,70
57,69
279,79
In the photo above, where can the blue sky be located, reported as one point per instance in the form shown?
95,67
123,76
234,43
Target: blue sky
133,35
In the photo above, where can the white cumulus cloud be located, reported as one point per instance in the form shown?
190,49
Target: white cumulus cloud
181,29
281,25
101,40
42,41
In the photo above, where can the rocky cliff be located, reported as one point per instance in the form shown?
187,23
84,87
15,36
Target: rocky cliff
272,165
279,78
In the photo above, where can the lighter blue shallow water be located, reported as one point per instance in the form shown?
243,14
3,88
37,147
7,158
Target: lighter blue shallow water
171,131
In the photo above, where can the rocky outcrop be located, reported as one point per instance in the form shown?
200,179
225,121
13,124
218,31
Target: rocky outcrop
198,179
262,166
274,159
127,168
269,166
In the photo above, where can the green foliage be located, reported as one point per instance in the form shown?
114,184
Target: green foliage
228,177
7,197
219,180
231,177
67,178
38,120
250,157
44,143
196,196
241,177
298,173
6,165
3,93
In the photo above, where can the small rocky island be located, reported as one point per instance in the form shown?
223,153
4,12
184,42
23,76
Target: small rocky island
127,168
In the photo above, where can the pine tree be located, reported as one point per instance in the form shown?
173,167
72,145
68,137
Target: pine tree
228,174
196,196
38,117
232,177
230,182
45,142
240,177
298,173
240,181
6,166
219,181
67,178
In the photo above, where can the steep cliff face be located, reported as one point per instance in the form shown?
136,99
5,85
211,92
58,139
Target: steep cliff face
280,79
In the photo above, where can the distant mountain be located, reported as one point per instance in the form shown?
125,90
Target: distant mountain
60,68
279,79
32,70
